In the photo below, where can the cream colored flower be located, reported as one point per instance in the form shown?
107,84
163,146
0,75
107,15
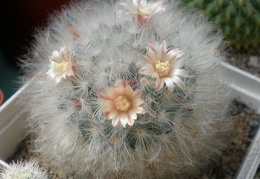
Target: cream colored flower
61,64
121,103
162,64
142,11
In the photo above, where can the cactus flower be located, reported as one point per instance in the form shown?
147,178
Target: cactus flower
162,65
142,11
61,64
122,104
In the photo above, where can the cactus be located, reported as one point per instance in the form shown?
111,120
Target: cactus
129,90
239,20
22,170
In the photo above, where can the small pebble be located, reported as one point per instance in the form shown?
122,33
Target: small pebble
254,61
249,62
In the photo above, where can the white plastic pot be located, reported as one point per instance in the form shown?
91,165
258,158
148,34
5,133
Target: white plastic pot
245,88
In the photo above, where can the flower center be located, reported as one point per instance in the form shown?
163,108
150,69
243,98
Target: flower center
122,103
60,67
145,11
162,68
142,12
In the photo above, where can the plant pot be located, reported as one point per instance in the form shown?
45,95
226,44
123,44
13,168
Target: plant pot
245,88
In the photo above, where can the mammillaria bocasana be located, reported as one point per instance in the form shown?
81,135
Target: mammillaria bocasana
131,89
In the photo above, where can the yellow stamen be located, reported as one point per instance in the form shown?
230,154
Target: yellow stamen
162,68
122,103
60,67
145,11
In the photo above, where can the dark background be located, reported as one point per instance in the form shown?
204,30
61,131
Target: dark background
19,19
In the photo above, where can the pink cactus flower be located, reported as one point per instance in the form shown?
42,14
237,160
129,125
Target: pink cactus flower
142,11
122,104
162,64
61,64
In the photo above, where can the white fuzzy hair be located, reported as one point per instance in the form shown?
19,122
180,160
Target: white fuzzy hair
22,170
169,140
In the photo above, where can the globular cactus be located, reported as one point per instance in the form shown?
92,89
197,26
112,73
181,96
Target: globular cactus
22,170
239,20
129,90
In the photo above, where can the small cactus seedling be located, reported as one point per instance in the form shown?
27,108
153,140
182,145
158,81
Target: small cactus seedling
239,19
22,170
129,89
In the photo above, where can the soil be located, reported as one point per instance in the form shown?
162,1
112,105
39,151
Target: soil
247,61
245,125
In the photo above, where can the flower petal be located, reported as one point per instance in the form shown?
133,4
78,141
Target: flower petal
169,84
106,113
147,70
146,58
57,79
158,53
112,114
151,46
132,115
123,119
115,121
124,83
56,56
163,46
143,3
159,83
137,94
150,53
104,97
179,82
139,103
50,73
131,121
135,2
140,110
174,54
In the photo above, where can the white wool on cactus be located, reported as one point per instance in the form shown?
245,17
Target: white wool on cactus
127,89
22,170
